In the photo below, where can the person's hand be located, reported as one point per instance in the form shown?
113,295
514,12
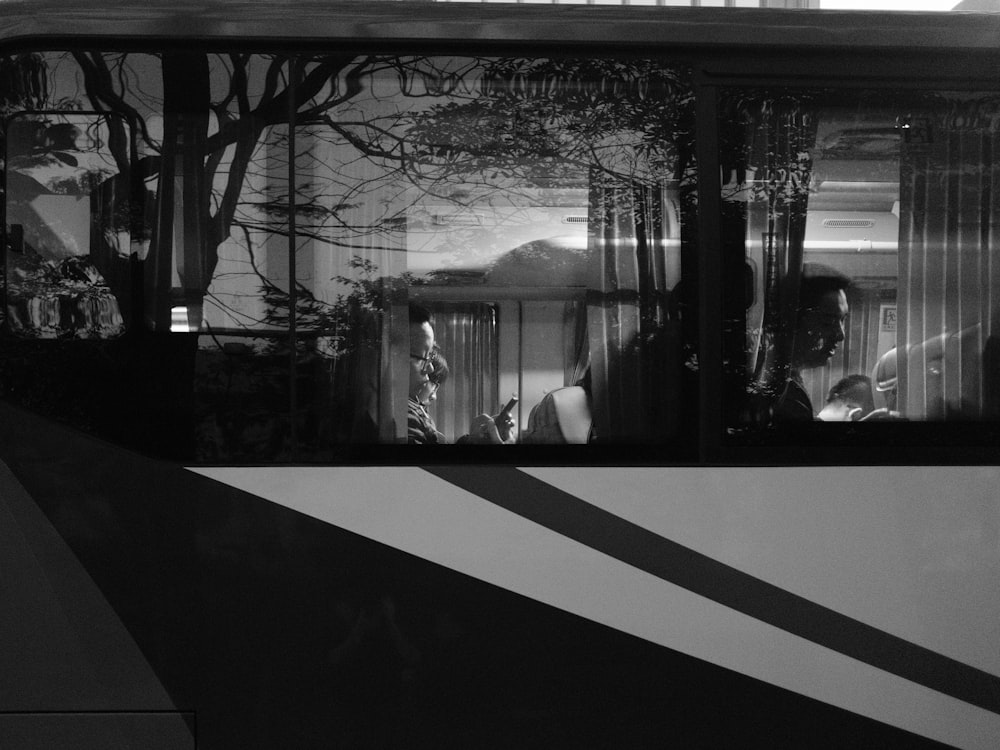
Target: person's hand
484,430
505,427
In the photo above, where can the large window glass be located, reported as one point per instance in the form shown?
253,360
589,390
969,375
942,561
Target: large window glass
324,251
866,222
532,207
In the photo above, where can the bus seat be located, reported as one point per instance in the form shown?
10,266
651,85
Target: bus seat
561,417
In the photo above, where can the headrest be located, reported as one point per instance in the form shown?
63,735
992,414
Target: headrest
884,375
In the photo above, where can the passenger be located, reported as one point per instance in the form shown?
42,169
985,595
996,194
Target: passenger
435,379
849,400
420,424
819,329
562,417
420,427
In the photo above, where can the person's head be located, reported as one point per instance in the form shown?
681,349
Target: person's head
850,398
822,310
435,378
421,346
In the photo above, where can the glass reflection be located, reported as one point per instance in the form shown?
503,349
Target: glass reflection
537,207
864,219
67,227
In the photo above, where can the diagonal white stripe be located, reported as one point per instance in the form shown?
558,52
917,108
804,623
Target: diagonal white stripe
912,551
410,510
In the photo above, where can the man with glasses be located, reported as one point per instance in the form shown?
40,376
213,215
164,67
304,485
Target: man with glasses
819,330
427,371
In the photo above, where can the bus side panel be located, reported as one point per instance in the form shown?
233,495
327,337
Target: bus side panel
275,629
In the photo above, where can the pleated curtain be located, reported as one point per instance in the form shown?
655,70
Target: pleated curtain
627,310
467,336
780,137
949,290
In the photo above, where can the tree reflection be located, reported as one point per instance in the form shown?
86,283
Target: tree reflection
272,196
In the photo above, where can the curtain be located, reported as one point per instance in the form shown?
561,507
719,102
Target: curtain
466,333
778,136
352,295
949,291
627,311
576,354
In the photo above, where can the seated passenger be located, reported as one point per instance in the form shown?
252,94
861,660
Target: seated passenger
420,428
849,400
819,330
562,417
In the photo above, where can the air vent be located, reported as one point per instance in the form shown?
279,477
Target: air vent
575,219
458,220
848,223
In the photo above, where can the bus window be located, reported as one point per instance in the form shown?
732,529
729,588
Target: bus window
867,218
539,226
536,207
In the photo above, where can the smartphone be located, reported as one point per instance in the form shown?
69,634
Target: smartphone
501,419
508,406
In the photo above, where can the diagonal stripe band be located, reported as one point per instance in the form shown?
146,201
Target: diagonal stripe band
630,543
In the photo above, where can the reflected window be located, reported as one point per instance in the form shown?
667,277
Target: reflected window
68,227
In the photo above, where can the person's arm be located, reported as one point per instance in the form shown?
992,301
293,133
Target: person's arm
485,430
421,430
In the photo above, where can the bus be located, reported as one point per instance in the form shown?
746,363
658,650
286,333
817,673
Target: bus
418,375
